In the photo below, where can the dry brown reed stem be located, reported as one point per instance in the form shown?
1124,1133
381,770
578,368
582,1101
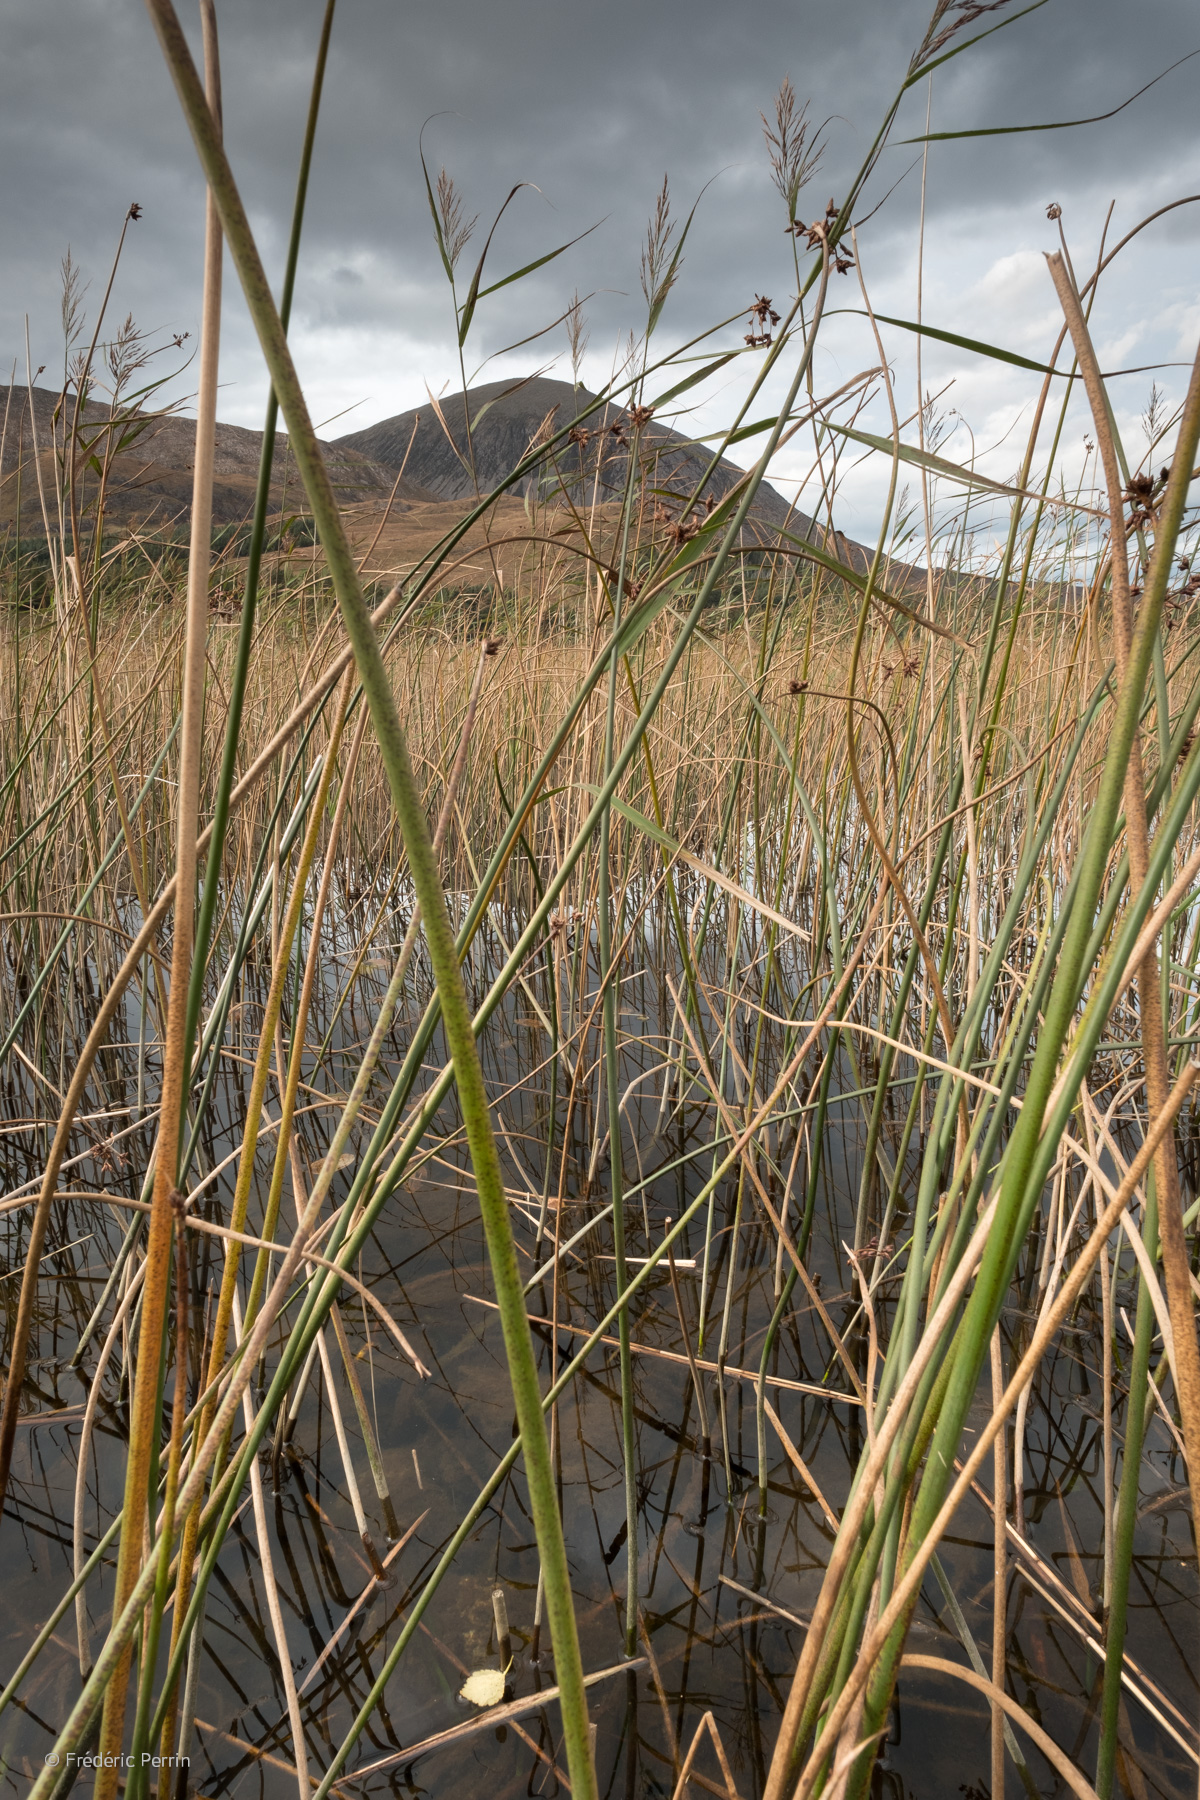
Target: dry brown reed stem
455,1014
367,1066
131,1293
246,1238
368,1593
748,1163
1039,1343
1157,923
494,1717
865,807
370,1442
73,564
179,1405
289,1082
114,993
175,1049
707,1724
999,1571
1080,1619
697,1384
274,1610
798,1462
210,1228
1004,1703
1154,1045
343,1444
863,1494
783,1383
252,1120
201,1461
365,1073
83,606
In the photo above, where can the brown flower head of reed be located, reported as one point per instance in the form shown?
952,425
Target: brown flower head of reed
1054,210
792,157
135,212
493,646
639,417
126,354
456,227
578,337
71,304
659,269
544,431
959,13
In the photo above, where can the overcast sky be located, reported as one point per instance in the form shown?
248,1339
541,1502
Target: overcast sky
593,104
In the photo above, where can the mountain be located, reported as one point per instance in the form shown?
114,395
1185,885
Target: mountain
508,417
151,456
150,479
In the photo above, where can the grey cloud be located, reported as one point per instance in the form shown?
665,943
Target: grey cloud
589,103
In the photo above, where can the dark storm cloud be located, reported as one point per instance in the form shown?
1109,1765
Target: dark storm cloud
589,103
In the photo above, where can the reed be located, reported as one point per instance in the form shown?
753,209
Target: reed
797,998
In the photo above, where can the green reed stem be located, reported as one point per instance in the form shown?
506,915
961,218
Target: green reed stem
610,979
1127,1506
427,882
210,892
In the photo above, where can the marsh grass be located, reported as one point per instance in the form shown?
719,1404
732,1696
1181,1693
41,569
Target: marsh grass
737,954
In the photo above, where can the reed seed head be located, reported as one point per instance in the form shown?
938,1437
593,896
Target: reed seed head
456,227
792,158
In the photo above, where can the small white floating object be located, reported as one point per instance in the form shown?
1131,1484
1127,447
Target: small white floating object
484,1688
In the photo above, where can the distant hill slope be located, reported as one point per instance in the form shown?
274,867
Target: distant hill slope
150,485
508,417
151,479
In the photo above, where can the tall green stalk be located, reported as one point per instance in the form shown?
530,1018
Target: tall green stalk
610,979
210,892
406,797
1026,1158
1127,1509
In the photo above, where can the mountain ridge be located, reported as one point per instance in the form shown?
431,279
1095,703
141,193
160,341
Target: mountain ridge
151,478
432,445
